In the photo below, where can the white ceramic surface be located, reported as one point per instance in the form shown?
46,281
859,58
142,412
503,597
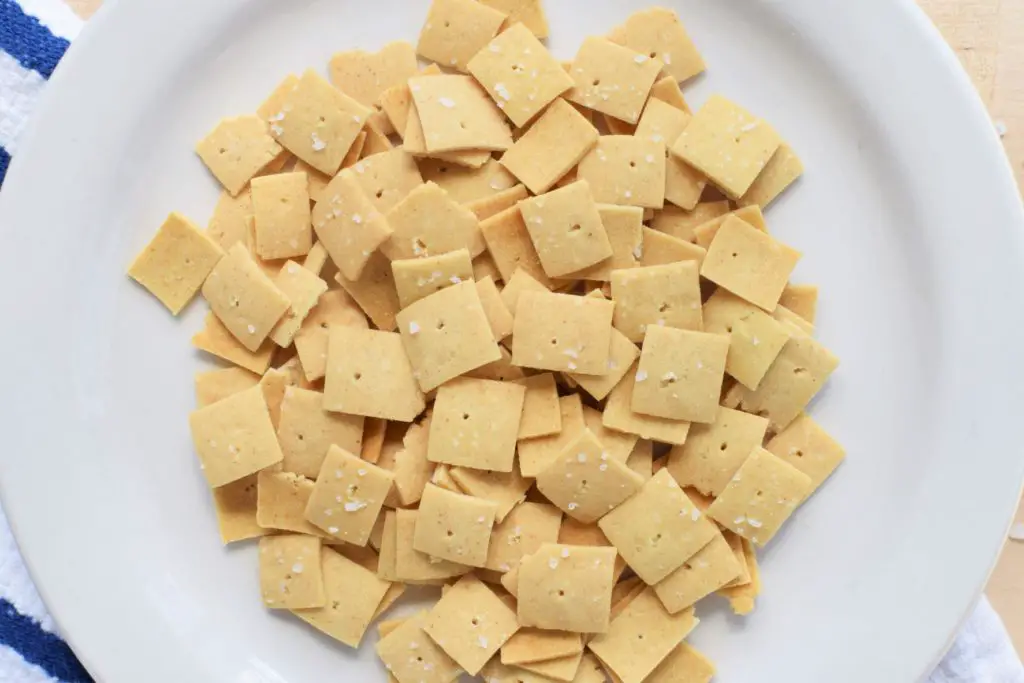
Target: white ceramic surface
908,217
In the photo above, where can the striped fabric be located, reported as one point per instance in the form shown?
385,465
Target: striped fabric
33,37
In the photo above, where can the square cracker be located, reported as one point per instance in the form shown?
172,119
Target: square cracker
628,170
809,448
411,656
446,335
471,623
335,307
303,289
755,338
281,499
529,12
498,314
417,278
318,123
562,669
306,431
612,79
536,645
415,143
659,249
408,461
802,300
536,454
500,370
456,114
749,263
369,374
348,496
567,588
348,224
562,332
742,597
396,101
487,207
234,437
412,566
621,355
551,147
230,220
522,533
619,415
466,185
244,298
176,262
680,374
624,225
656,296
455,30
519,283
364,76
374,291
235,506
658,529
504,489
780,172
237,150
658,33
215,339
728,144
454,527
566,229
618,445
281,211
714,452
475,424
387,178
761,496
428,222
641,637
519,73
704,233
509,243
353,596
541,415
585,482
683,665
711,568
290,572
667,90
662,122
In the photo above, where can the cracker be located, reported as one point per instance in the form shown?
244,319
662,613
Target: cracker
377,141
714,452
353,595
641,459
710,569
348,496
659,249
658,33
446,335
290,573
349,225
454,527
509,243
475,423
618,415
428,222
621,355
396,101
237,150
801,300
418,278
624,225
506,490
364,76
541,414
683,665
535,645
502,201
535,455
273,385
387,178
500,370
411,565
742,598
618,445
316,259
788,317
375,291
612,79
176,262
521,533
498,314
457,114
656,296
566,588
641,637
566,229
680,374
562,332
519,73
244,298
728,144
585,482
281,212
411,656
215,339
466,185
229,223
705,233
780,172
234,437
560,669
761,496
369,374
408,461
334,307
415,143
235,505
303,289
667,90
281,499
554,144
628,170
809,448
658,529
756,339
456,30
749,263
471,623
529,12
306,431
374,431
662,122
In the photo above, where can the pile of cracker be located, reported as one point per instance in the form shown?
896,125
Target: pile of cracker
509,327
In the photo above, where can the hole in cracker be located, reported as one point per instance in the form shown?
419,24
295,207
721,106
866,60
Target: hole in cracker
554,342
561,593
687,566
222,150
300,437
443,169
450,533
664,307
799,371
357,376
475,621
465,416
632,164
462,125
597,82
798,453
723,446
447,24
380,193
734,254
575,227
640,636
667,381
440,324
323,120
760,493
654,55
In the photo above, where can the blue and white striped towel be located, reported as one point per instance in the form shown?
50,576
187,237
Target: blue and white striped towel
33,36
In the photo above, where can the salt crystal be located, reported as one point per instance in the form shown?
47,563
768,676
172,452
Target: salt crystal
641,375
446,102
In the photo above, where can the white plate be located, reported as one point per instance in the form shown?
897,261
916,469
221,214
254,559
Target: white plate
908,217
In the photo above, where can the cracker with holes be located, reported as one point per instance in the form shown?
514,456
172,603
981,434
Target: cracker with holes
621,355
456,115
411,656
466,185
281,212
749,263
656,296
218,341
714,452
522,533
531,645
780,172
680,374
281,499
303,289
659,249
618,445
243,298
417,278
408,461
628,170
454,527
552,145
455,30
348,496
761,496
413,566
508,242
529,12
585,481
237,150
562,332
475,424
235,506
306,431
213,385
684,664
658,529
506,490
290,573
661,122
415,143
498,314
364,76
176,262
519,73
369,374
658,33
805,445
348,224
620,416
374,291
471,623
387,178
612,79
566,229
624,225
712,567
335,307
541,414
755,338
428,222
567,588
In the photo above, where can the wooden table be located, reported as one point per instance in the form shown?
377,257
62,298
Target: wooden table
988,36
